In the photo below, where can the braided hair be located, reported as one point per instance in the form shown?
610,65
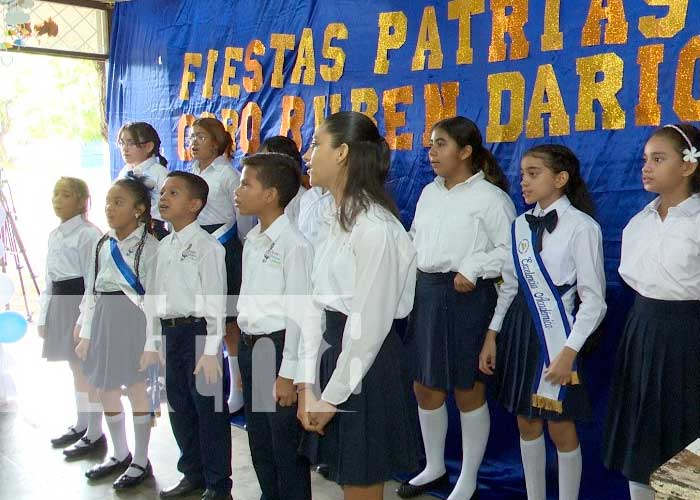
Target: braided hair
142,196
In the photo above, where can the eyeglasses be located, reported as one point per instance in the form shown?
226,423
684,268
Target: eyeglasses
196,137
129,144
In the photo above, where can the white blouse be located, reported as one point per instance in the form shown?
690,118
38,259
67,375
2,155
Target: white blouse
368,274
465,229
572,253
661,258
153,170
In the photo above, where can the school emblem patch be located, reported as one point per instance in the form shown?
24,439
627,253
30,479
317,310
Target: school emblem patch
523,246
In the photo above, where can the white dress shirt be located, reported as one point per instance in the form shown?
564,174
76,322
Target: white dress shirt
368,274
276,286
465,229
110,279
191,281
70,255
661,258
222,180
316,212
154,171
292,209
572,253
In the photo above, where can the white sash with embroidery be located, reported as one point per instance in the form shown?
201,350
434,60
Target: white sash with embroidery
548,313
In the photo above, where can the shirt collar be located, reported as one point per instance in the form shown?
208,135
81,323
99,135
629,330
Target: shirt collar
136,233
71,224
479,176
688,207
144,165
218,163
273,232
560,206
186,233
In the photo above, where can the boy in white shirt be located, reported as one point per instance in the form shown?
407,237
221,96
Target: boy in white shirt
277,263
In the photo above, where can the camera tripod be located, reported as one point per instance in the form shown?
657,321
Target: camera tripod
12,242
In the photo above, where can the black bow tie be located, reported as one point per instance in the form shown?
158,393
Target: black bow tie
539,224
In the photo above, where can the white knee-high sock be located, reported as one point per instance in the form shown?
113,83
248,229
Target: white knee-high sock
570,465
639,491
235,395
142,435
94,428
81,406
476,425
433,427
534,458
117,431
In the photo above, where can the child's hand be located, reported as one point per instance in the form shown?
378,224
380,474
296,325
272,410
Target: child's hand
463,285
320,414
210,366
305,399
487,358
82,349
76,334
285,392
148,358
41,331
559,371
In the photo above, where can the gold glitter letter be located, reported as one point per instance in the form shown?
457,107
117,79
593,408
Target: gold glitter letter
251,119
293,108
514,83
684,104
191,59
229,89
552,38
367,97
665,27
306,59
438,105
253,84
394,119
512,24
281,43
615,29
392,35
603,91
428,40
648,111
462,11
333,73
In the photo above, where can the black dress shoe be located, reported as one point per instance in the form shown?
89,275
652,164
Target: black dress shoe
183,488
111,466
125,481
408,490
86,447
69,437
323,470
213,495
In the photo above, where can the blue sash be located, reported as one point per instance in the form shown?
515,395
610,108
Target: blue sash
124,268
225,233
548,314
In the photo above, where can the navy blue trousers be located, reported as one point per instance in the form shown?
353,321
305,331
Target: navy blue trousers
198,411
274,433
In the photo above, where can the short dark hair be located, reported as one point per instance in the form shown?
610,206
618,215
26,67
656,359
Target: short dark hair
196,185
276,170
284,145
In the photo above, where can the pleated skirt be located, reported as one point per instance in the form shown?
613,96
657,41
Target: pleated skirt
62,313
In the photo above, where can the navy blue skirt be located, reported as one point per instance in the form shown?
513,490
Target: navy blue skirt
448,330
517,357
61,315
654,409
371,438
116,345
234,271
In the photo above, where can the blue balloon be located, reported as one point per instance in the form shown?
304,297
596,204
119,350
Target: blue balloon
13,326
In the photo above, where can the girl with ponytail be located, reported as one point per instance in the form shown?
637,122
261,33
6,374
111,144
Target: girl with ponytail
556,254
461,232
139,144
114,344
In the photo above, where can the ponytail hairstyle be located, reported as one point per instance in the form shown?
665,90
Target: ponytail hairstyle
142,196
143,133
78,187
220,136
558,158
465,133
684,138
367,166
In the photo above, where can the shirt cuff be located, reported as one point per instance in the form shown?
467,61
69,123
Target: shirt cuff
576,341
85,333
288,369
151,345
469,272
496,323
335,394
306,372
212,345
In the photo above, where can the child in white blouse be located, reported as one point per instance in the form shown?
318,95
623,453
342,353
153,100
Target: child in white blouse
557,253
654,409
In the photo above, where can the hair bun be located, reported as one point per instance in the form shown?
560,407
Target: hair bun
146,181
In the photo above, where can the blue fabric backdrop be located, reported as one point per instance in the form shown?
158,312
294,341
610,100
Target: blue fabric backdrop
147,59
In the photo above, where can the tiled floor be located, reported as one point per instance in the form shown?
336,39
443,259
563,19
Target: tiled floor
30,469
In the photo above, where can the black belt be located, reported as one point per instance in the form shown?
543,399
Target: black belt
250,340
118,292
74,286
172,322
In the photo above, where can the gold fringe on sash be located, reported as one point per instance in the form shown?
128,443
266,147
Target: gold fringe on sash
547,404
553,404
